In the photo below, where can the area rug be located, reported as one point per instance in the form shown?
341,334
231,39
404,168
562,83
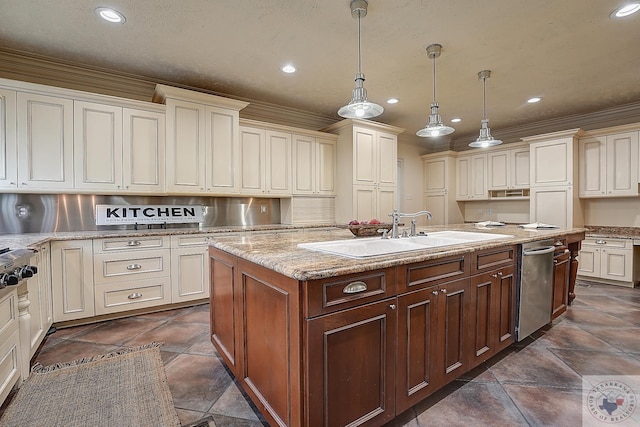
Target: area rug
124,388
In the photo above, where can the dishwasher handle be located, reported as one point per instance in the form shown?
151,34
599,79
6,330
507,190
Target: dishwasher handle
539,251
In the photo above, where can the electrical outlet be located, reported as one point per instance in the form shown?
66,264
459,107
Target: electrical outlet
263,209
489,211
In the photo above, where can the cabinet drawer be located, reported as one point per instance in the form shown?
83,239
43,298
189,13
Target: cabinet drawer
488,259
8,313
337,293
610,243
121,266
126,296
130,243
421,275
190,240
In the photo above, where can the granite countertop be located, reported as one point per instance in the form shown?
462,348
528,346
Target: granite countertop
282,254
32,240
611,232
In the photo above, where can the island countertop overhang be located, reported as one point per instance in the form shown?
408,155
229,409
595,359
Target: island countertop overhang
280,253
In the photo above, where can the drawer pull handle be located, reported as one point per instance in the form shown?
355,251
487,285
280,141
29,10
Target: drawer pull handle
601,242
354,288
392,306
134,267
135,295
133,243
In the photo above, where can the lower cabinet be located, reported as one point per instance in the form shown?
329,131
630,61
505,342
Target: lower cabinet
72,280
10,358
189,267
609,260
561,271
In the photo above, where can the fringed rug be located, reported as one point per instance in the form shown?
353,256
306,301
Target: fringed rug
124,388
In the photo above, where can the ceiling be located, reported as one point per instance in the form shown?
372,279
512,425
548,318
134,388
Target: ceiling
569,52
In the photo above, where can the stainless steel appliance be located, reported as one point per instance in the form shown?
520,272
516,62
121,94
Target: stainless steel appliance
14,266
536,287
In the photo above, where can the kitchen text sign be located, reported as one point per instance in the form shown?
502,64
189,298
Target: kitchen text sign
147,214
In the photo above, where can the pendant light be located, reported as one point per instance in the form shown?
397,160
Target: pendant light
434,127
359,107
485,139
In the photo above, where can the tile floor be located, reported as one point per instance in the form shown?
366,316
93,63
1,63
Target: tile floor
534,383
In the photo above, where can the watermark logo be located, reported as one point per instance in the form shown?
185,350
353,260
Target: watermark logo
610,401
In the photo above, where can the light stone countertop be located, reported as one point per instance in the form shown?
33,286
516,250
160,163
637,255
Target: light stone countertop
282,254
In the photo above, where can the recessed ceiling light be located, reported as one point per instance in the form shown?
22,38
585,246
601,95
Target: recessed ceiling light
392,101
289,69
456,120
626,10
110,15
534,100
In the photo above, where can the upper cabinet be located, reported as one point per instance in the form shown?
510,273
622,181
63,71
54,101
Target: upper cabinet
8,146
608,163
314,165
439,176
203,141
367,171
45,142
471,173
508,169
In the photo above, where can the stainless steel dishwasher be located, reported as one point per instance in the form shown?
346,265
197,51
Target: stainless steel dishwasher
536,287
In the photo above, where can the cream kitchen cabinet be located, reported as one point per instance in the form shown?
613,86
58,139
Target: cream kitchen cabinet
190,267
45,142
609,260
131,273
366,169
265,161
118,149
439,178
10,358
608,164
471,183
72,280
508,169
202,141
39,296
314,165
8,145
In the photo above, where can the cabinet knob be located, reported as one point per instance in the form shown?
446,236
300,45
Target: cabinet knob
135,295
444,291
24,183
494,275
392,306
134,267
434,292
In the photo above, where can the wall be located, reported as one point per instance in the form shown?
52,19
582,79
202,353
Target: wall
508,211
622,212
412,198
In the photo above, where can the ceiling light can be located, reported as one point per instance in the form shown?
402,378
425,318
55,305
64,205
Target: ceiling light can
110,15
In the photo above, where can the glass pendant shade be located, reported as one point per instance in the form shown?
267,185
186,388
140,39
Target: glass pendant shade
434,127
484,139
359,107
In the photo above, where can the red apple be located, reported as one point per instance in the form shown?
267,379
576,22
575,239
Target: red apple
374,221
354,222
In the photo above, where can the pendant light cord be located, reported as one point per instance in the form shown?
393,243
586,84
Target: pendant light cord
359,49
434,79
484,98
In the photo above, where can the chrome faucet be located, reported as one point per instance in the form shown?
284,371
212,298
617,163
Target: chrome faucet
396,220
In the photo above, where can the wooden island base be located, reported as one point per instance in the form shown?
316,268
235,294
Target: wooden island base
361,348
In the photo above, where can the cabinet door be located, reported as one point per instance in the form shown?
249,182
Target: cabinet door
325,166
622,168
520,166
353,355
499,170
417,347
97,146
386,203
387,159
186,153
252,155
364,202
223,151
304,164
478,177
552,205
454,304
8,146
552,162
561,267
435,174
72,280
45,142
504,309
463,171
589,264
278,163
592,166
365,157
189,274
616,264
437,204
143,151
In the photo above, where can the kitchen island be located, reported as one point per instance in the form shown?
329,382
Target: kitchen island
323,340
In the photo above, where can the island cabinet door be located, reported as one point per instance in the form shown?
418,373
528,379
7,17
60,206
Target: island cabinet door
493,302
561,269
350,366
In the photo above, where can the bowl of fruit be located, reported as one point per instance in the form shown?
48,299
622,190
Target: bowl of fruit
368,228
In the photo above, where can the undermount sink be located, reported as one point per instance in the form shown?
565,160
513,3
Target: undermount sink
375,246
